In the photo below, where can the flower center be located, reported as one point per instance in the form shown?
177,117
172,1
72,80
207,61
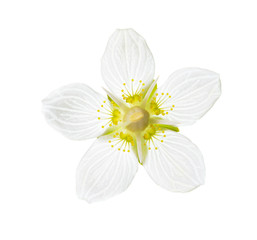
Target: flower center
136,119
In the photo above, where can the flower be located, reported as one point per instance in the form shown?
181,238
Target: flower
136,123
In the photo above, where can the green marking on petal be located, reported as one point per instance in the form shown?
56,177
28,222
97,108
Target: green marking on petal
170,127
112,102
109,131
152,93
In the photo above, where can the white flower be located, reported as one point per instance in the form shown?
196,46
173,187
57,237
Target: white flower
136,122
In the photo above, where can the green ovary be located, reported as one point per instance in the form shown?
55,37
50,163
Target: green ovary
154,108
150,132
127,138
133,99
116,116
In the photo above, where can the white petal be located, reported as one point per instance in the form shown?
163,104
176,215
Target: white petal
177,164
73,110
105,171
127,57
192,91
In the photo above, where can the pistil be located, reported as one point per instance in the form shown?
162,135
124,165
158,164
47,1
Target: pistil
136,119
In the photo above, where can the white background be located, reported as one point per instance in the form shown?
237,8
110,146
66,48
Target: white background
47,44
